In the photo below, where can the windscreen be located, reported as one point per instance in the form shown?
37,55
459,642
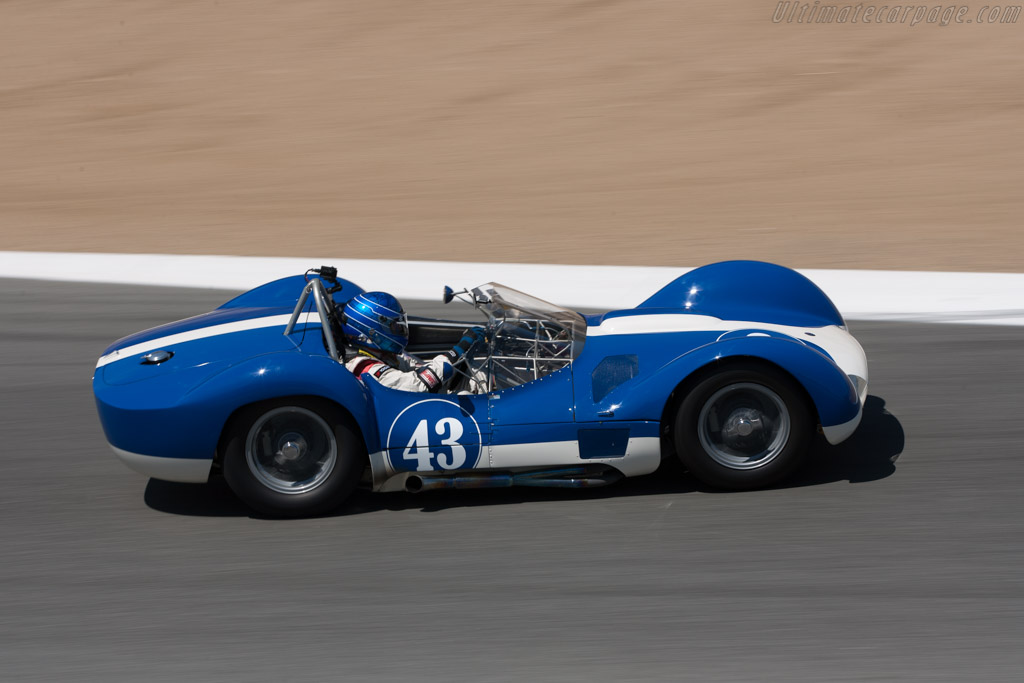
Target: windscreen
531,337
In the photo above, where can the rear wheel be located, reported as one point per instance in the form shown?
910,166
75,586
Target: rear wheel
293,457
745,427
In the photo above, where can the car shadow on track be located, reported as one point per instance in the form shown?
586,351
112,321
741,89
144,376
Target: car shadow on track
870,454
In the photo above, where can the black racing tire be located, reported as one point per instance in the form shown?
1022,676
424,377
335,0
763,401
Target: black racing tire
293,457
746,426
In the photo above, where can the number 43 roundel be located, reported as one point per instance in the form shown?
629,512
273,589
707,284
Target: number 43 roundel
432,435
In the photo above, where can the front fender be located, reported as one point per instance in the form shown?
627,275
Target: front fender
290,374
832,392
167,418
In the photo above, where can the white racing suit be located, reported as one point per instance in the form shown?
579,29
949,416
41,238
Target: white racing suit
410,374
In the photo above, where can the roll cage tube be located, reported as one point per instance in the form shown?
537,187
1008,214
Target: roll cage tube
320,298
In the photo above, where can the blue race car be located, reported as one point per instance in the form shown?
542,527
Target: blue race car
730,367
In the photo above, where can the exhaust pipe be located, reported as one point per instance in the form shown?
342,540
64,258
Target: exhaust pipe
587,476
569,477
424,482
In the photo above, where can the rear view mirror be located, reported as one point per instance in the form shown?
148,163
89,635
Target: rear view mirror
448,295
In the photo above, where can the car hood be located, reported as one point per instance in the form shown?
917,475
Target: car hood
215,340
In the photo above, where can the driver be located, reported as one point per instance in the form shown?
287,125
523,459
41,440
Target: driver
375,327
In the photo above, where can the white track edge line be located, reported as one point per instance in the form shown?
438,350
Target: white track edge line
954,297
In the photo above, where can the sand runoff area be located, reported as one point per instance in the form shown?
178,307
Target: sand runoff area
633,132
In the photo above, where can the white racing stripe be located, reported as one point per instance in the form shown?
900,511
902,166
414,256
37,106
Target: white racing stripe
982,298
204,333
844,349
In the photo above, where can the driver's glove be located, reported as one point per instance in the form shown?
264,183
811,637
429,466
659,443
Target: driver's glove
470,340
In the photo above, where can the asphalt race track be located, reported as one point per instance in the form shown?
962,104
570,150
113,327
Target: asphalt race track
897,556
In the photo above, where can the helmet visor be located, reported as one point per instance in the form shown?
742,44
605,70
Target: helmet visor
396,326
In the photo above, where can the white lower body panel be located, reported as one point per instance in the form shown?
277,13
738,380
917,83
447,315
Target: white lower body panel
839,433
188,470
643,455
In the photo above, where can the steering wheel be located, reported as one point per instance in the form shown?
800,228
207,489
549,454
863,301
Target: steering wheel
463,373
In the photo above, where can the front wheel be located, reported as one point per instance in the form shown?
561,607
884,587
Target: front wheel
745,427
292,457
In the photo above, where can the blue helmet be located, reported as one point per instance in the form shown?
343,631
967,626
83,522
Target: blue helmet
375,321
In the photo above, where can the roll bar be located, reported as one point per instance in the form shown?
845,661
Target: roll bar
320,298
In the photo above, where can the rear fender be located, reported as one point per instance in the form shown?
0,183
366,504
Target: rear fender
749,290
830,390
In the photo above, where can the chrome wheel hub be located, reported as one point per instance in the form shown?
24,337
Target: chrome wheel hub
294,447
742,422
